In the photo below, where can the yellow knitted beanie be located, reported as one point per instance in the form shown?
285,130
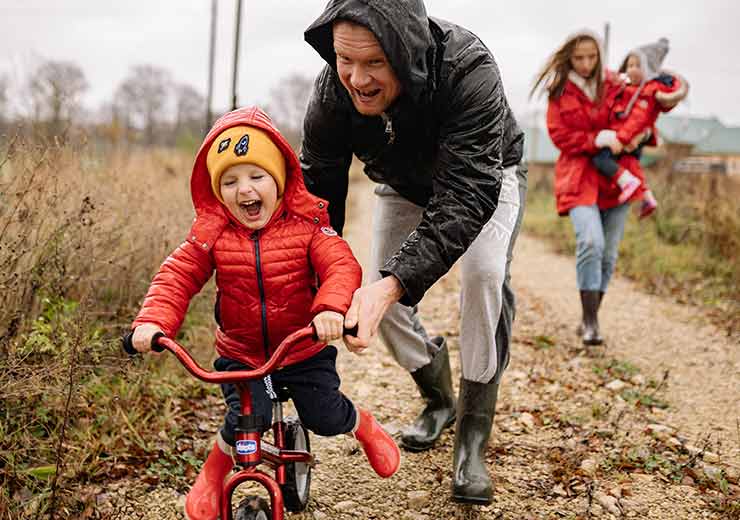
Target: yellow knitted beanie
244,145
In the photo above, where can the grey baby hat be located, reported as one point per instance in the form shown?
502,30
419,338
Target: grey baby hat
651,58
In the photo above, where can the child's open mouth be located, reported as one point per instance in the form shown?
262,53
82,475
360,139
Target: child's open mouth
251,208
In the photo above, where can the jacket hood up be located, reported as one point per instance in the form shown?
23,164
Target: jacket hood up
401,27
212,216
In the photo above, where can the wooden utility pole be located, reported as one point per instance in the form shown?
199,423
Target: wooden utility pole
236,54
211,54
605,58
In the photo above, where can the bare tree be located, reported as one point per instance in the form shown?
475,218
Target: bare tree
287,106
55,89
142,97
112,126
3,93
190,109
3,102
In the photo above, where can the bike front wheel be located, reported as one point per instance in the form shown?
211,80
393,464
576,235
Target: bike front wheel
298,474
253,508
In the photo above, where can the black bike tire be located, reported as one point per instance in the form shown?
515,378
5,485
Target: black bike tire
292,498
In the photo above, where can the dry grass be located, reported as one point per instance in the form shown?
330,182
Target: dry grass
80,238
75,225
688,249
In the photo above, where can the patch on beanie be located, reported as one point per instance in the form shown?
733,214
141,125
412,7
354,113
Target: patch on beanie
223,145
242,147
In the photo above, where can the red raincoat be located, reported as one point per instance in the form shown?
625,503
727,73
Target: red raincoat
573,121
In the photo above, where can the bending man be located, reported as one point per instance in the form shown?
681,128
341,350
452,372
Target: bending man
421,103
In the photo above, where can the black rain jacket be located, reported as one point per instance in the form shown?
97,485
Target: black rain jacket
442,145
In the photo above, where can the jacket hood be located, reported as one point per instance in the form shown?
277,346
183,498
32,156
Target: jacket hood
212,216
401,27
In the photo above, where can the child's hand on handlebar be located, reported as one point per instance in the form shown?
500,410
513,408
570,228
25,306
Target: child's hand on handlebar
142,338
329,325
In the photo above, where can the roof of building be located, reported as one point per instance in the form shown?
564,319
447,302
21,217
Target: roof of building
722,141
686,129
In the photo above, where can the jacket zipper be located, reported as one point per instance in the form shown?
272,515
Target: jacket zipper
388,128
265,338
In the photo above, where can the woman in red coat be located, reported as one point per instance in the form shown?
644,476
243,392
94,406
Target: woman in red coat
578,111
268,241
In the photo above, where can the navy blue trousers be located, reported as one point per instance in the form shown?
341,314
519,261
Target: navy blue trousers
606,162
313,385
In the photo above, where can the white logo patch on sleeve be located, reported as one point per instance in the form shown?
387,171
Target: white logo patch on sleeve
329,231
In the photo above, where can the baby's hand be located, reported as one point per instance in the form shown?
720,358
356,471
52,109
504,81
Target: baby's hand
329,325
639,138
616,147
142,338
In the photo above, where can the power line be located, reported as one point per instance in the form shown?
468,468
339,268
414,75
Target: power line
236,54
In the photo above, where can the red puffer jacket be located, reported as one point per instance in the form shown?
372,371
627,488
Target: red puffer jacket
266,279
573,121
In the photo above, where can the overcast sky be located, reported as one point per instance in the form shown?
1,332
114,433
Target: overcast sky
105,38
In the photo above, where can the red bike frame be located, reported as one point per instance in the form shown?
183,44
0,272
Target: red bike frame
251,450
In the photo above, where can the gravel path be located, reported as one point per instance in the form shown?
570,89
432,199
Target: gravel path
578,434
657,335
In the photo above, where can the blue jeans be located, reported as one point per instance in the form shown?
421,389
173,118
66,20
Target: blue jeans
598,234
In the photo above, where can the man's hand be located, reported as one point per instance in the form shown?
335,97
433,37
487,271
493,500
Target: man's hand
368,306
328,325
142,338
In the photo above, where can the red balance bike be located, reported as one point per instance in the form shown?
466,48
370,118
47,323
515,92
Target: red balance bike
289,456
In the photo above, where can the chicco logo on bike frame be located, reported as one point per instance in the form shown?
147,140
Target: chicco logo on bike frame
246,447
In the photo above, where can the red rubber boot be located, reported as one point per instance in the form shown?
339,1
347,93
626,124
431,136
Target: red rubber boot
381,451
202,502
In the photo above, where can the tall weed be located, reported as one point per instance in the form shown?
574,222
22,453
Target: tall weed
81,235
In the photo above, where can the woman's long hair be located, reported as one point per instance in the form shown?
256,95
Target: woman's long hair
555,72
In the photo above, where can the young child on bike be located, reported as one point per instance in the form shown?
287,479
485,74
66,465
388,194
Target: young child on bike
634,111
269,241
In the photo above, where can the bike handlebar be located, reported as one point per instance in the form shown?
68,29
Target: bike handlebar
160,342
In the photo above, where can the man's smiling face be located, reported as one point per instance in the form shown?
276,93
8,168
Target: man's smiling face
364,69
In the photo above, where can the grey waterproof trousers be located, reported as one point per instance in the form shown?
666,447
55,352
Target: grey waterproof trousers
486,298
